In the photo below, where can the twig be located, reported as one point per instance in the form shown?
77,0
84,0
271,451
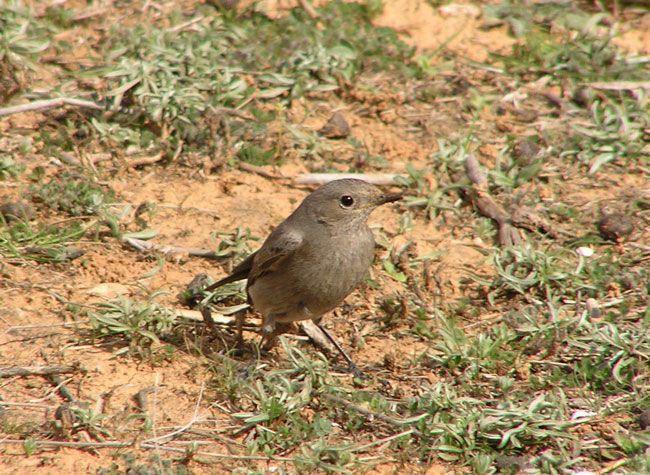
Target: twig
141,245
56,443
610,467
88,159
233,112
145,160
49,104
63,389
26,404
36,370
154,409
182,208
114,444
220,456
317,336
30,338
383,441
182,26
212,435
621,85
322,178
11,330
309,9
247,167
507,234
246,101
89,13
369,413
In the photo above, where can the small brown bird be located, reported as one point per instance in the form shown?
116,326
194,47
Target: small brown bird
312,261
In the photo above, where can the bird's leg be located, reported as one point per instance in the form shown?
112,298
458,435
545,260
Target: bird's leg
239,318
354,369
267,331
193,296
271,330
207,317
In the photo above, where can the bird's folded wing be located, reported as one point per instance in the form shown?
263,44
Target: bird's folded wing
279,246
240,272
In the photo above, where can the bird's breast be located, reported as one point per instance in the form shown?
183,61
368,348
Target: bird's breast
317,277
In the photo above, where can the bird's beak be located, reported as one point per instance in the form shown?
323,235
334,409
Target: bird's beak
383,199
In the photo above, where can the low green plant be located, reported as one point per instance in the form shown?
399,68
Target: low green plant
436,198
22,39
573,47
140,325
130,462
9,167
73,195
40,242
179,81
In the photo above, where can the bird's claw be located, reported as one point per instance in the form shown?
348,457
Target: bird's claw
356,372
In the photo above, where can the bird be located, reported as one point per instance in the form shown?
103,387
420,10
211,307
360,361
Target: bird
313,260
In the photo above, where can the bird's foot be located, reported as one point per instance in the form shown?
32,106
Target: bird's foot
356,372
207,318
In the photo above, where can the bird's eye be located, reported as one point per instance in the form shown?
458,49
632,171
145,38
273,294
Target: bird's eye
346,201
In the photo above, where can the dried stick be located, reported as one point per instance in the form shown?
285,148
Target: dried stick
63,389
56,443
314,332
49,104
141,245
90,13
185,25
621,85
136,162
36,370
233,112
383,441
322,178
508,234
367,412
309,9
247,167
114,444
27,404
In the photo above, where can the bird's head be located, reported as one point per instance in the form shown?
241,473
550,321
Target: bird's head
345,201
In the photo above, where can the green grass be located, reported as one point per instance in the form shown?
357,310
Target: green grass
22,40
573,48
9,167
179,81
128,462
74,195
141,325
40,242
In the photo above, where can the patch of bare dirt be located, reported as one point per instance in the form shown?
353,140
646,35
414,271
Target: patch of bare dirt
635,37
457,30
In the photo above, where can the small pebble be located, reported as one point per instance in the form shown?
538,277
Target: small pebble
581,414
585,251
511,463
644,419
593,308
615,227
336,128
583,96
525,151
17,210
